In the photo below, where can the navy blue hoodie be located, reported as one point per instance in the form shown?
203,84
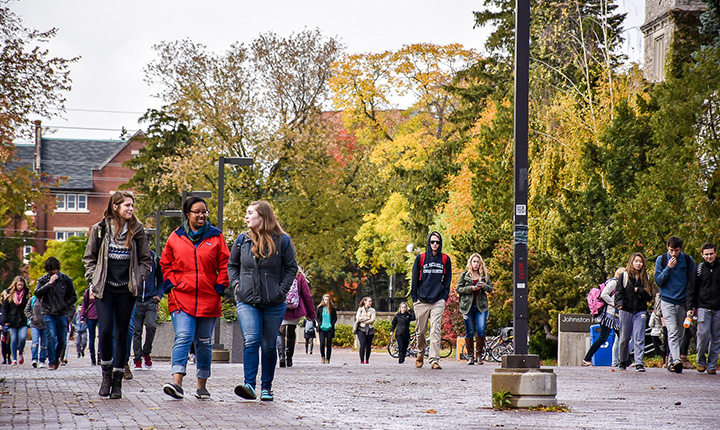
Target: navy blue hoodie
435,283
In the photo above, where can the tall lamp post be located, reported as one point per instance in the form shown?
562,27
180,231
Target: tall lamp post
238,161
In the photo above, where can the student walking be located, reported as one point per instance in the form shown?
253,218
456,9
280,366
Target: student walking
117,261
194,265
365,323
33,312
299,303
673,271
473,286
703,300
430,289
90,317
262,268
57,294
81,335
14,300
145,315
401,327
309,334
609,320
633,293
327,318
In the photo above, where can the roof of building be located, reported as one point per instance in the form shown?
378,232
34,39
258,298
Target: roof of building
74,159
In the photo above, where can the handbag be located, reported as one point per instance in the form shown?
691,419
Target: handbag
355,327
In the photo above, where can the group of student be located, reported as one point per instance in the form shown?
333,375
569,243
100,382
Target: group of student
685,292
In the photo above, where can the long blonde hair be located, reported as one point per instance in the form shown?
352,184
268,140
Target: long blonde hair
482,270
13,288
264,245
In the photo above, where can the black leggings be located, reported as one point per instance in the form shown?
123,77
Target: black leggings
365,345
326,339
114,312
402,340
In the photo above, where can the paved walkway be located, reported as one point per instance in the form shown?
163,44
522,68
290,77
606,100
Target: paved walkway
345,394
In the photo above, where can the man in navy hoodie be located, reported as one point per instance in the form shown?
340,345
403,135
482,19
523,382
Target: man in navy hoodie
146,305
672,272
431,277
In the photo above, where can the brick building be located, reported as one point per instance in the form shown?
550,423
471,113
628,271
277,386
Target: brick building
91,171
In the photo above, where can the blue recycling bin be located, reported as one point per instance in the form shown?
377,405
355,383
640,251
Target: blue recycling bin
603,356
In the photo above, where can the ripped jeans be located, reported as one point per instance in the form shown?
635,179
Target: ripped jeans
189,329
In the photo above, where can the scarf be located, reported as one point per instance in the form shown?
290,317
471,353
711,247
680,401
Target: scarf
19,296
195,236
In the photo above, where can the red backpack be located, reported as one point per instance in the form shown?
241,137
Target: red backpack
422,263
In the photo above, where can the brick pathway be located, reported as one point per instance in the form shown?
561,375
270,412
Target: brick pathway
345,394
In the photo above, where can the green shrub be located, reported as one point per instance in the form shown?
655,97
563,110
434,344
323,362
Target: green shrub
344,337
540,345
382,333
163,312
229,310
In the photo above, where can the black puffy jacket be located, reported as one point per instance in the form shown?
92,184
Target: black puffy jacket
58,298
262,281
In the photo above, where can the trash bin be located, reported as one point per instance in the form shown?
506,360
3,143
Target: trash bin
603,356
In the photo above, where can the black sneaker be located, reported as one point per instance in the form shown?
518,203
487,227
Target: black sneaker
622,367
174,390
245,391
639,368
678,366
202,393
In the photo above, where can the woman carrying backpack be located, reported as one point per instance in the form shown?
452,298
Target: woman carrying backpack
262,268
608,318
631,299
299,304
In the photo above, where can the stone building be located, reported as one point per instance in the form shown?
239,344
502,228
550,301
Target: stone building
663,19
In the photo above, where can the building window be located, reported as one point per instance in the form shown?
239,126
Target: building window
659,59
72,203
64,235
27,250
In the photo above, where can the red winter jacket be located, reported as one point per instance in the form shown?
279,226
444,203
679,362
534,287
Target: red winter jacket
195,276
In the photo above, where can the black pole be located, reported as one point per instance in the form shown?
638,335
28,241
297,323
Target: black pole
520,267
221,192
158,239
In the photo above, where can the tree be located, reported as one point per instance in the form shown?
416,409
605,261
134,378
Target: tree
70,254
32,83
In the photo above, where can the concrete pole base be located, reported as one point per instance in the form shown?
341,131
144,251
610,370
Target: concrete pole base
528,386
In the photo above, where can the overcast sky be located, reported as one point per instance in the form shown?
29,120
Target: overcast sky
115,39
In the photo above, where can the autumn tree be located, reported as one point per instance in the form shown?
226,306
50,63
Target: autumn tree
32,85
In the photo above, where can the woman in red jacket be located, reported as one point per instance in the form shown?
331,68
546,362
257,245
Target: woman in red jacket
194,265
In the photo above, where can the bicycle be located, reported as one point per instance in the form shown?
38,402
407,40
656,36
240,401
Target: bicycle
495,346
446,347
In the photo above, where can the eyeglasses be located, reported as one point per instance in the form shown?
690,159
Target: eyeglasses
198,213
434,242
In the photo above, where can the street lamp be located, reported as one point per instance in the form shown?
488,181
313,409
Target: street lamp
238,161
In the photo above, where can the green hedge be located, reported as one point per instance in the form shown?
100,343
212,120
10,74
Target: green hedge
344,338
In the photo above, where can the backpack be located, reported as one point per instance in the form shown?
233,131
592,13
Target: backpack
293,296
595,302
422,263
309,326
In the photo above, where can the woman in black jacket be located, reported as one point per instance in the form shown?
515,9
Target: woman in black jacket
261,269
14,299
631,300
401,327
327,317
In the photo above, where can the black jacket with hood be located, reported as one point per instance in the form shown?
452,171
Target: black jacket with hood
59,297
435,283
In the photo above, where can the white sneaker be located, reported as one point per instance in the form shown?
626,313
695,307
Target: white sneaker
191,359
41,365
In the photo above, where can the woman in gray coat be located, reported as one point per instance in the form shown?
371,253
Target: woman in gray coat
473,286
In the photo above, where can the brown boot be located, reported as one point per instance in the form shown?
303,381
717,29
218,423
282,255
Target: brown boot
479,349
470,345
419,360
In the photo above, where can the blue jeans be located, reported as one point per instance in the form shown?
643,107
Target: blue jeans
17,341
92,328
189,329
39,341
475,323
56,327
259,326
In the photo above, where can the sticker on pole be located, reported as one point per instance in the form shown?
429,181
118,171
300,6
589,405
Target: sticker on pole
521,285
520,210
